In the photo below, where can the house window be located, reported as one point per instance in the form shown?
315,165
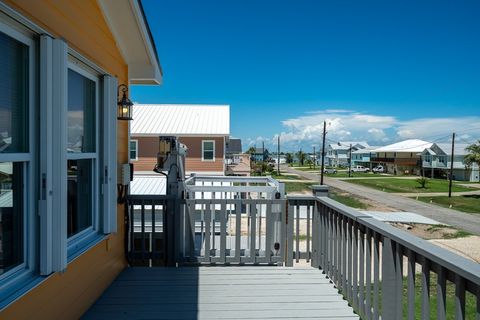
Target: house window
16,151
133,149
81,150
208,150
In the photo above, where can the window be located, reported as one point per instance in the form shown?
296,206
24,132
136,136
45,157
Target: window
16,149
81,151
133,149
208,150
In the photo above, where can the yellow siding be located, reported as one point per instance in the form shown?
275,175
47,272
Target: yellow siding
68,295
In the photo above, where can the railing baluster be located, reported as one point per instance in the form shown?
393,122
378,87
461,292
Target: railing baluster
459,297
238,225
350,261
289,236
269,232
441,294
208,222
223,231
399,279
411,285
336,251
376,275
425,289
142,219
355,265
323,237
361,298
153,242
253,226
368,275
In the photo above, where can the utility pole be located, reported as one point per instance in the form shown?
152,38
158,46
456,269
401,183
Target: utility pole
350,160
322,167
451,167
263,155
278,156
314,158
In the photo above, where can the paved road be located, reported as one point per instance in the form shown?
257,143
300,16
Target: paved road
461,220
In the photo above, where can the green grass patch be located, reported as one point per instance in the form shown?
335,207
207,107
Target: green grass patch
408,185
470,203
286,177
291,187
347,200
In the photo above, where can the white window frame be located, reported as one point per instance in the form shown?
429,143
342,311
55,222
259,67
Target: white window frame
135,141
203,151
81,239
28,266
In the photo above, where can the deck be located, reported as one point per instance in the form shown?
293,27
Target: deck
216,292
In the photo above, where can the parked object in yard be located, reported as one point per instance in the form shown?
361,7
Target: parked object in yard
330,170
360,169
378,169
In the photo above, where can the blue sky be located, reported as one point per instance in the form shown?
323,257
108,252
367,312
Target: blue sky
379,71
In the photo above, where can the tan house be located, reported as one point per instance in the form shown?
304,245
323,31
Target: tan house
400,158
202,128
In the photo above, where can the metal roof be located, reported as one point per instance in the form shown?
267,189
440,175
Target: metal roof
411,145
459,148
180,120
151,184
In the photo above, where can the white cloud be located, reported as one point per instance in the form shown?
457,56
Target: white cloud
306,130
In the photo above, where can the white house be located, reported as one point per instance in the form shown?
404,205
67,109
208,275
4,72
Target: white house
436,162
337,154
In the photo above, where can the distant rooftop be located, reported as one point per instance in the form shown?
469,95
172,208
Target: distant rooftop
180,120
411,145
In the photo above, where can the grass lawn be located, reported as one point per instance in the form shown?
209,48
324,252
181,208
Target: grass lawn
317,168
408,185
299,186
286,177
344,174
469,204
347,200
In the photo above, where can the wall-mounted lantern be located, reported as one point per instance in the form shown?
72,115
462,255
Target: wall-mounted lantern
124,105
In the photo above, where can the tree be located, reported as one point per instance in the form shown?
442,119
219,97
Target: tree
289,158
309,162
474,154
301,157
251,150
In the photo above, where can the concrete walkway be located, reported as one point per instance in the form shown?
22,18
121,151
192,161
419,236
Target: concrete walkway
461,220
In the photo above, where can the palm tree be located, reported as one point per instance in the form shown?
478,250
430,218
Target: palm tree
301,157
289,158
474,154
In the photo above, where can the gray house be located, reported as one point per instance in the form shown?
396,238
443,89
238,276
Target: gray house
436,162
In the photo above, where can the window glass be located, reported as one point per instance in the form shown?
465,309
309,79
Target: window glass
208,150
81,113
133,149
11,215
13,95
79,210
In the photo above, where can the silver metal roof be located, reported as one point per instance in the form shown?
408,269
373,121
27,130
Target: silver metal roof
180,120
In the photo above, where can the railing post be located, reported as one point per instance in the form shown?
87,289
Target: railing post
389,280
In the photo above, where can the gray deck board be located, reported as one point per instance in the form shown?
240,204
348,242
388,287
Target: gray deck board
221,293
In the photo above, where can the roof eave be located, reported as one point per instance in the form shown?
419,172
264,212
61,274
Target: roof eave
129,26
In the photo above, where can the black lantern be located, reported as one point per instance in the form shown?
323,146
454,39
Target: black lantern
124,105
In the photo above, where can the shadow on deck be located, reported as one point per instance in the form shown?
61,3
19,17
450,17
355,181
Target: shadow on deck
217,292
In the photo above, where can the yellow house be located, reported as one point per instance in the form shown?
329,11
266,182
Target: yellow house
61,228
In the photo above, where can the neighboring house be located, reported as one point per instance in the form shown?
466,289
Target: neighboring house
338,154
237,163
60,147
204,129
402,157
362,157
436,162
260,154
282,158
233,146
